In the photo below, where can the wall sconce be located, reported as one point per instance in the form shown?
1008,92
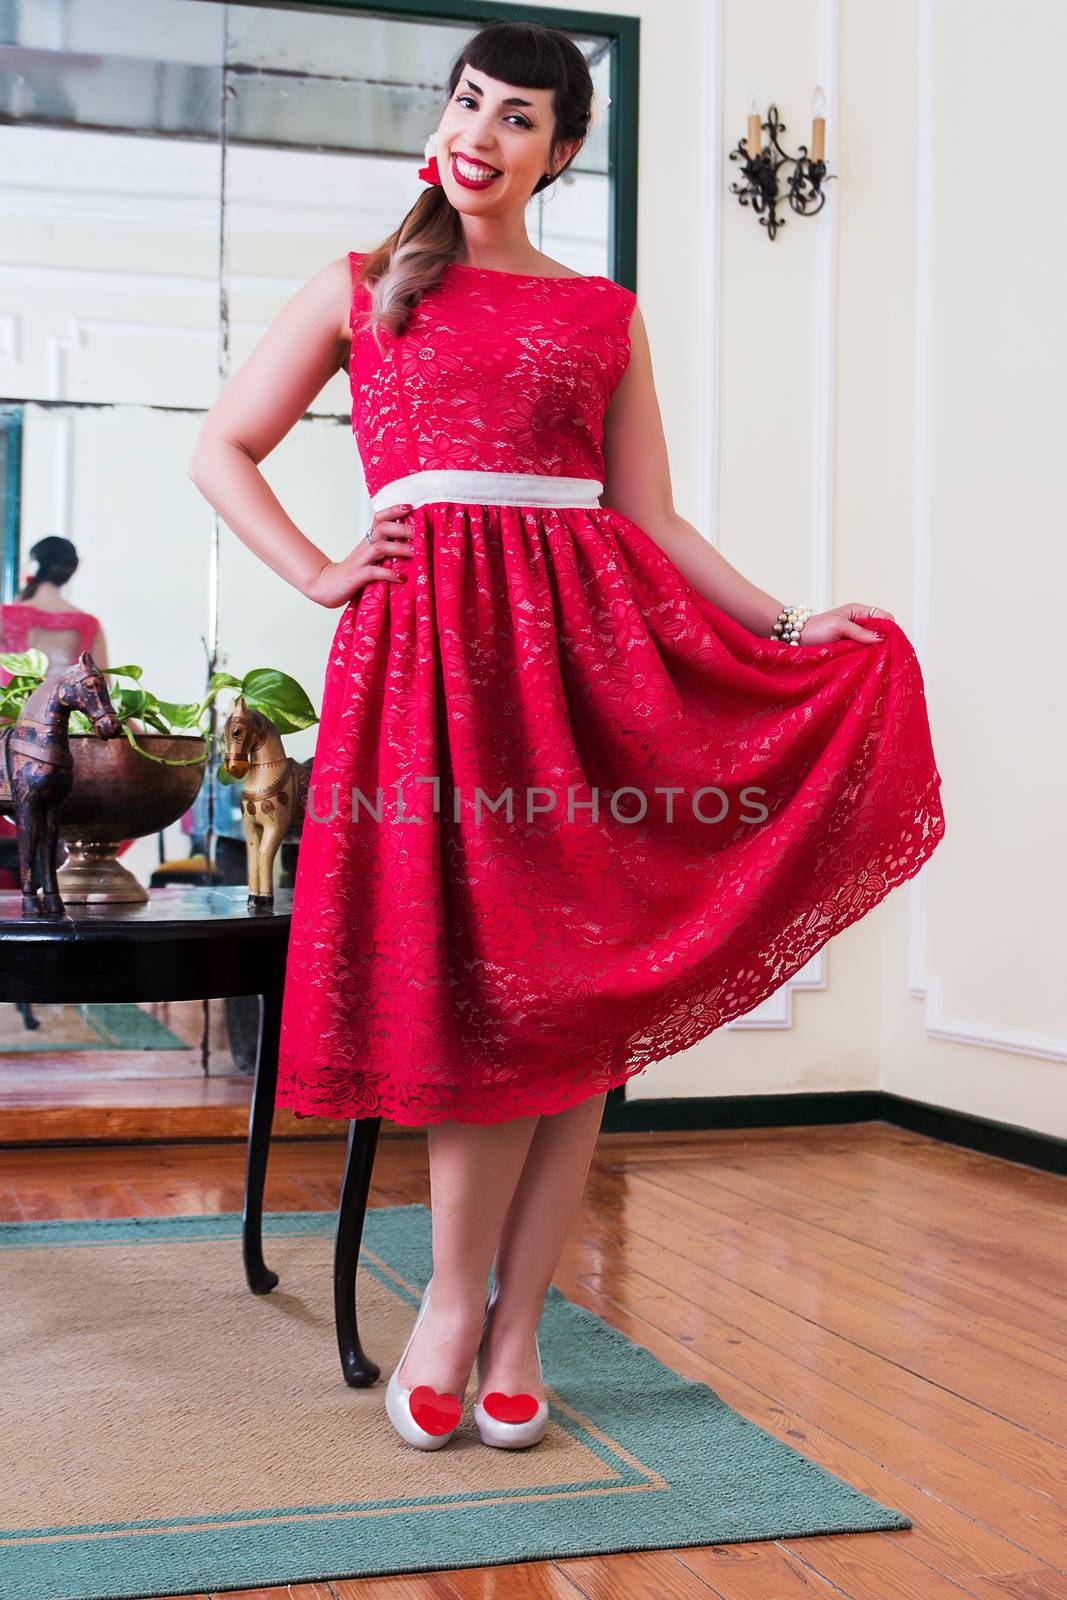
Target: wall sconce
805,191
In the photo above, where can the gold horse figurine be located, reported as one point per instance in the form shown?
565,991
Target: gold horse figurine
274,797
37,770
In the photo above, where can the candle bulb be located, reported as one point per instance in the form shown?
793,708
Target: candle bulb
754,142
818,127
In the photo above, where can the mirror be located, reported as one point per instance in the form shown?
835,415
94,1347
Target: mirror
174,175
173,172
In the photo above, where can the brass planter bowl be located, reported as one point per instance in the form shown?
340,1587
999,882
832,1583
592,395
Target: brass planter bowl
119,794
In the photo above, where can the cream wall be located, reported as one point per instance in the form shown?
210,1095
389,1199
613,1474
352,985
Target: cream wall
866,409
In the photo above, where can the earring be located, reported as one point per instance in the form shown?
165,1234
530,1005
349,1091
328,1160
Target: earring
429,173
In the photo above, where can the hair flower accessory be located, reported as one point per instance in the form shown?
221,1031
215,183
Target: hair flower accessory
599,105
429,173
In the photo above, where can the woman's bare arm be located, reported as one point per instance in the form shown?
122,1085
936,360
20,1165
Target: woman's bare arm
638,483
296,357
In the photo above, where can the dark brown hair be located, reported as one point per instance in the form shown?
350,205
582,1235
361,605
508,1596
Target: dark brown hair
57,560
411,260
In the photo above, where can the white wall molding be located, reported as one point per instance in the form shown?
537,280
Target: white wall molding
777,1010
921,439
709,292
824,355
961,1031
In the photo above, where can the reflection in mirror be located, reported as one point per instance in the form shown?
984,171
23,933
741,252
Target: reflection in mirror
158,211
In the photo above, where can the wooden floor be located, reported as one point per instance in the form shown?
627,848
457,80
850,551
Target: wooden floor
892,1307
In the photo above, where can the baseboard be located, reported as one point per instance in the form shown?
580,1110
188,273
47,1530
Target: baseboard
1003,1139
24,1127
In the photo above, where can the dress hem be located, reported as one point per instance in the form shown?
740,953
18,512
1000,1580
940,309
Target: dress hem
670,1042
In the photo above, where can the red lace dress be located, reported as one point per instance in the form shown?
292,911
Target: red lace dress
74,630
694,810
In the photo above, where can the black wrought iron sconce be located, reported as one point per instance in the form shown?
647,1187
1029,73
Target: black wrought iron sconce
805,191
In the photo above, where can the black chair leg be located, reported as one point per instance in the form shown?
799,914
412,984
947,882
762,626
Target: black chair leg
261,1280
359,1370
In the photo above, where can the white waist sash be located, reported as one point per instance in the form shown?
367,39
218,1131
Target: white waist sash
488,489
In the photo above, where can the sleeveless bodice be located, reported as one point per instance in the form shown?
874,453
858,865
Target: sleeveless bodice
496,372
18,619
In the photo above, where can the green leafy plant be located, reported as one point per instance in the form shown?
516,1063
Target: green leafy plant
265,689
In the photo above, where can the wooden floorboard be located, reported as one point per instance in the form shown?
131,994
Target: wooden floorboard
894,1308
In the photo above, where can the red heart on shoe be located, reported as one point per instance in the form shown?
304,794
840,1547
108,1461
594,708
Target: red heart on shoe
510,1407
434,1413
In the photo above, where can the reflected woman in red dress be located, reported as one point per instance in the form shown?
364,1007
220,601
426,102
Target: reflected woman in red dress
40,618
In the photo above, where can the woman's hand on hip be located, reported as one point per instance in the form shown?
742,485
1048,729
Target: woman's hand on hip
391,536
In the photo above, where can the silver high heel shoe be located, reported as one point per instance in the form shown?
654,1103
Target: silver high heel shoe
422,1416
509,1421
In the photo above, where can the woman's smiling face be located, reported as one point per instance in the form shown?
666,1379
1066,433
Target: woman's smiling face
493,143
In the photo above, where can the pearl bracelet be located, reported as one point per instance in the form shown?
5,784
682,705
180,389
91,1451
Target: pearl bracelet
790,623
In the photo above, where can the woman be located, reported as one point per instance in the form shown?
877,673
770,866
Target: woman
487,973
41,619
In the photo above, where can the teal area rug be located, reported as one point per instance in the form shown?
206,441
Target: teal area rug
91,1026
167,1432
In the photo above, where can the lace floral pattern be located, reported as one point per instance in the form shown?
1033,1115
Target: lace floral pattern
694,812
496,373
19,619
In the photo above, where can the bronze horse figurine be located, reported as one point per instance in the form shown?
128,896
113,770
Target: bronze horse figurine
274,797
37,770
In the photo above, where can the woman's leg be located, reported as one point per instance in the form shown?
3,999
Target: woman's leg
535,1230
473,1174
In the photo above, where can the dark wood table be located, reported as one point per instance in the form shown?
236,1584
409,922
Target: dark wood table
197,943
